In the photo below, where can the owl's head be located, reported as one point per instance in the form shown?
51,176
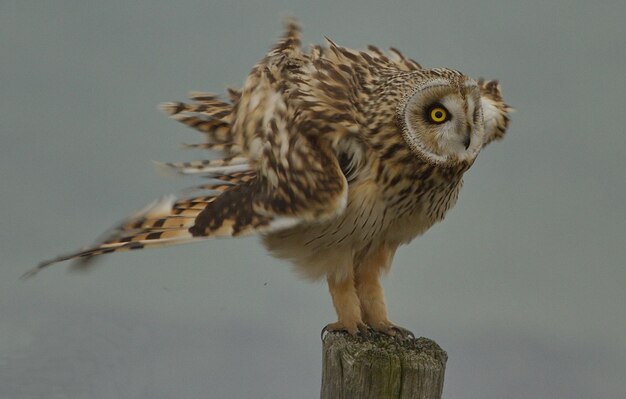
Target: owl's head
442,118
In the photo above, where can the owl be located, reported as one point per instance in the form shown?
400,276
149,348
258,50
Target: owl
335,157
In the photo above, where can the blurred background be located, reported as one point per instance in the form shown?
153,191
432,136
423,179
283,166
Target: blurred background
523,284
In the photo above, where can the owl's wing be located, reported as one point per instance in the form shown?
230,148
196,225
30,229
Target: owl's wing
279,167
495,110
287,131
281,126
210,116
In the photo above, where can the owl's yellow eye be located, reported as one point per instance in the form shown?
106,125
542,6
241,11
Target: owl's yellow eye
438,114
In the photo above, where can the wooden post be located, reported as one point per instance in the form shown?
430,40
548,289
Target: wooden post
381,367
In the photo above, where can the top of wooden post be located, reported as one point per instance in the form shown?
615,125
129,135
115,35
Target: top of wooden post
381,367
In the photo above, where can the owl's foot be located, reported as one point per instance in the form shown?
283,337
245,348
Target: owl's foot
356,329
388,328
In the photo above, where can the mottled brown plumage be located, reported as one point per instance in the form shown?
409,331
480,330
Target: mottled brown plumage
335,156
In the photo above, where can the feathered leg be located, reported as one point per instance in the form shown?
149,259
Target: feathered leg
346,304
370,292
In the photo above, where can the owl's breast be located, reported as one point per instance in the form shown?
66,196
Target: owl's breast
427,204
372,217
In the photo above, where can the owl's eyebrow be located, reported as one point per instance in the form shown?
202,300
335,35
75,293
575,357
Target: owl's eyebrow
433,84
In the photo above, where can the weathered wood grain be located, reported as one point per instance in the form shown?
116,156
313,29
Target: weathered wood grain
381,367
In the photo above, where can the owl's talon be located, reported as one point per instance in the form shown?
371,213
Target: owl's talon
393,330
324,331
364,331
358,330
403,333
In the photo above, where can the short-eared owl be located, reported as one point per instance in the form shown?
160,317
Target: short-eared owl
334,156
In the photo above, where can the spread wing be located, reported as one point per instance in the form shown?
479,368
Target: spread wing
279,167
285,131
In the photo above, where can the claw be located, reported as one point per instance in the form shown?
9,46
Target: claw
403,332
324,331
364,330
368,332
393,330
360,329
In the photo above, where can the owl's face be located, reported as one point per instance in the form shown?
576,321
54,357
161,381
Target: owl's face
443,120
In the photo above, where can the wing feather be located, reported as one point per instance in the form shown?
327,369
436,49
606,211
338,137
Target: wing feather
209,167
279,136
289,140
495,111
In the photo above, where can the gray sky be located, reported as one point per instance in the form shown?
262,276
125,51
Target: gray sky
523,284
